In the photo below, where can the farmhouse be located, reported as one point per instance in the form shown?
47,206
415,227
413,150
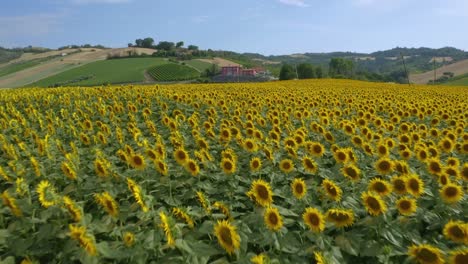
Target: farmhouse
238,71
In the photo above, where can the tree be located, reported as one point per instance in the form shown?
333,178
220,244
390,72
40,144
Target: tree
192,47
319,72
165,45
139,42
305,71
147,43
287,72
341,68
179,44
130,45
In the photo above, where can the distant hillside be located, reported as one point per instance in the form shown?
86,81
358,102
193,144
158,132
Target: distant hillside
458,68
417,60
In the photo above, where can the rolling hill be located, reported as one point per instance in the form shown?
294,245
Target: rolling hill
458,68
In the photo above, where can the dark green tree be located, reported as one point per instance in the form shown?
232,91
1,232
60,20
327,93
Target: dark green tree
165,45
147,43
139,42
192,47
319,72
179,44
305,71
287,72
341,68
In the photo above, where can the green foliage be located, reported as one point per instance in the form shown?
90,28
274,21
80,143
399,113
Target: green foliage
165,45
287,72
173,72
341,68
305,71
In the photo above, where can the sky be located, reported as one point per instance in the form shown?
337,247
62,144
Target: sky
269,27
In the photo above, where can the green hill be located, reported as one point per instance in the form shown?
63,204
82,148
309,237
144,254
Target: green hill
103,72
173,72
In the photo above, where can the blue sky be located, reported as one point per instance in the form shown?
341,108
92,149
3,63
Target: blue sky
263,26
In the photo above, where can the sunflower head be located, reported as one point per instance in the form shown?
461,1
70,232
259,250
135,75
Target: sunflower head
227,236
314,219
228,166
286,165
273,219
399,184
379,186
384,166
128,239
414,185
434,166
309,165
426,254
340,217
406,206
457,231
137,161
373,203
451,193
332,190
459,256
192,167
299,188
351,172
262,193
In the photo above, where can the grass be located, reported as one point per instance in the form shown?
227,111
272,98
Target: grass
201,66
103,72
460,80
173,72
12,68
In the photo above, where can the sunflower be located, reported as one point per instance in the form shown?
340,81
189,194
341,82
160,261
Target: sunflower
451,193
255,164
457,231
46,194
286,165
136,192
379,186
373,203
341,155
309,165
451,171
434,166
123,156
108,203
258,259
181,156
464,172
421,154
382,150
459,256
384,166
192,167
299,188
426,254
318,258
86,241
137,161
10,202
204,202
273,219
166,226
224,209
128,239
406,206
414,185
228,166
72,209
262,193
340,217
179,213
314,219
446,144
332,190
35,165
101,167
250,145
357,141
399,185
316,149
68,170
290,142
161,166
227,236
443,179
351,172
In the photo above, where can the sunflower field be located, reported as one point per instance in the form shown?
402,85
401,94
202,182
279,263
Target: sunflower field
322,171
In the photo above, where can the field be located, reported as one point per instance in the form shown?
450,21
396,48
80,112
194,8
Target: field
201,66
173,72
321,171
12,68
461,80
458,68
102,72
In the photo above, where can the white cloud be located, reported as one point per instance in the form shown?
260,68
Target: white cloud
29,25
298,3
100,1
